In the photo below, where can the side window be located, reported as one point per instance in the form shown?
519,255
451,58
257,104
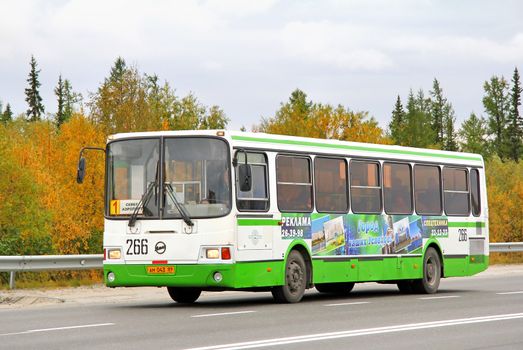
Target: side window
456,192
330,182
397,188
294,183
257,199
427,192
474,192
365,187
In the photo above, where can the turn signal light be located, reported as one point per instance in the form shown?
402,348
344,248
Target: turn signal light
226,253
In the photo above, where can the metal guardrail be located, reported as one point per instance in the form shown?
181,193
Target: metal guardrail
506,247
15,264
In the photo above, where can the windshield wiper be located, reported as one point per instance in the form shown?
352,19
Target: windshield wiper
142,203
181,208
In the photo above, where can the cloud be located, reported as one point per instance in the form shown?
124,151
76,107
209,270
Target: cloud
339,44
453,48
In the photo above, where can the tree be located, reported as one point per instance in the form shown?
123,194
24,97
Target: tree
301,117
33,98
438,104
71,99
130,101
515,127
472,135
60,95
7,115
397,123
497,105
215,118
449,137
418,129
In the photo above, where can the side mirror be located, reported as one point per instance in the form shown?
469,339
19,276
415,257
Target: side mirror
244,177
80,174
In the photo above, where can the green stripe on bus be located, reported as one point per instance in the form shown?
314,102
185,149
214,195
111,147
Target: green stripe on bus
258,222
354,148
467,224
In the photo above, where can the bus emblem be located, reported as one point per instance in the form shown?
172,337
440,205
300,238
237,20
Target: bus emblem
160,247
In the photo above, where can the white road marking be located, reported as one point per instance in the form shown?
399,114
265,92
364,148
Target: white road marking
507,293
59,328
359,332
225,313
442,297
354,303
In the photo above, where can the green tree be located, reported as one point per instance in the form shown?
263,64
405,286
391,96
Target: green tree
397,123
120,104
472,136
7,115
418,129
515,123
60,96
215,118
496,102
33,98
438,105
71,100
449,137
130,101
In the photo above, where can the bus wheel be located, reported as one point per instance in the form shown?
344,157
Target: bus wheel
295,280
405,287
335,288
431,273
184,295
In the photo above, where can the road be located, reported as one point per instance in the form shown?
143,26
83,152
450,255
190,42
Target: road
481,312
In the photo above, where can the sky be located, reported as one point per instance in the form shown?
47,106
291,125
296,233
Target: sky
248,56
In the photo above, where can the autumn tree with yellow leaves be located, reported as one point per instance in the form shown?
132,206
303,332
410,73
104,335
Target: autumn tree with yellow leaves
301,117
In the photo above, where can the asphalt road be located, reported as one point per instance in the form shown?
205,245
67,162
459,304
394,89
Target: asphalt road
482,312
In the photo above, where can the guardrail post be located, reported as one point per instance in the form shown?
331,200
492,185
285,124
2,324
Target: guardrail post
12,279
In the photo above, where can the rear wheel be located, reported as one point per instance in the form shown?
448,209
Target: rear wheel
431,273
295,280
184,295
335,288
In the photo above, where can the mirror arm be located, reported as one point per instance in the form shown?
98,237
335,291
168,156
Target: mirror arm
90,148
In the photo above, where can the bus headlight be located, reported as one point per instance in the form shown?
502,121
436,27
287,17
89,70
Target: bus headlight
115,254
212,253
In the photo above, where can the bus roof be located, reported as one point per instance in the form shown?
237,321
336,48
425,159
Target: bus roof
284,143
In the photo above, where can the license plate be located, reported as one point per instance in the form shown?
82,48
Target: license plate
161,270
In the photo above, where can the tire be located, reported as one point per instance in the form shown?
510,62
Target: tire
184,295
431,273
405,287
335,288
295,280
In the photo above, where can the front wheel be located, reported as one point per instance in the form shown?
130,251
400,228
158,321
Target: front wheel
184,295
431,273
295,280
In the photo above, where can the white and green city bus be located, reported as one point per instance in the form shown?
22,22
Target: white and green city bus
217,210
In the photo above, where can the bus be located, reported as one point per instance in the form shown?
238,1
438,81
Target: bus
220,210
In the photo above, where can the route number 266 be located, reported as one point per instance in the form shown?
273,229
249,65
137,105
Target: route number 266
137,246
462,234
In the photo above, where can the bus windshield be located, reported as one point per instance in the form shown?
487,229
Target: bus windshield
133,169
198,170
195,170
